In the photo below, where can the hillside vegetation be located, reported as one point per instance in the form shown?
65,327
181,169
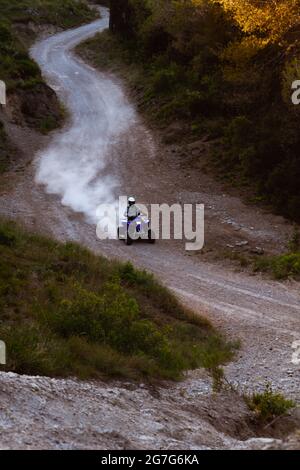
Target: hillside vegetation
19,24
30,100
223,68
65,312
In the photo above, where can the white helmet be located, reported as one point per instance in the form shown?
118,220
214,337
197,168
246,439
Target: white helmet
131,200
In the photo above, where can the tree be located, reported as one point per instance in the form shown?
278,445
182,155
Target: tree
120,12
267,20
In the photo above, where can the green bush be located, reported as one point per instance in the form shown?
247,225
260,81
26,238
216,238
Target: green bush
294,243
146,283
269,404
47,124
7,236
163,80
31,350
281,267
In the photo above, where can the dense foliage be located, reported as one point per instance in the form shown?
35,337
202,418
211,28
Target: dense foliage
226,68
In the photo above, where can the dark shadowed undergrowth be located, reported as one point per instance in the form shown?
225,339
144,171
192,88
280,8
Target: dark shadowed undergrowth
66,312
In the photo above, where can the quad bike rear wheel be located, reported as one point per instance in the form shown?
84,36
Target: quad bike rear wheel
151,237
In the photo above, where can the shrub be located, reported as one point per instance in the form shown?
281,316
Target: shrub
48,124
269,404
281,267
294,243
7,236
164,80
31,350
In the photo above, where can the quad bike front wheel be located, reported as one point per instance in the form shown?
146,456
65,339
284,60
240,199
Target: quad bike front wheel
128,240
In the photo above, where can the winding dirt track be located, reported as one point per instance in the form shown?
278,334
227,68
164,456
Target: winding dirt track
96,158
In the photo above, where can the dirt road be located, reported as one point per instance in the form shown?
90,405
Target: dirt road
106,150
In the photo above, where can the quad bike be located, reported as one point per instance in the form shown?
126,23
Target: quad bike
137,229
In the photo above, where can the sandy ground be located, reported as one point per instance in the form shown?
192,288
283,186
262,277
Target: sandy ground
263,314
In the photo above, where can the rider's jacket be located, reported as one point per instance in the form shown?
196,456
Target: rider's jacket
133,211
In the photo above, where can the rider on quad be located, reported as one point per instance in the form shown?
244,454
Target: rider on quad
132,211
135,225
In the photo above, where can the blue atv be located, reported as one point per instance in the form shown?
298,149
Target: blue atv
137,229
